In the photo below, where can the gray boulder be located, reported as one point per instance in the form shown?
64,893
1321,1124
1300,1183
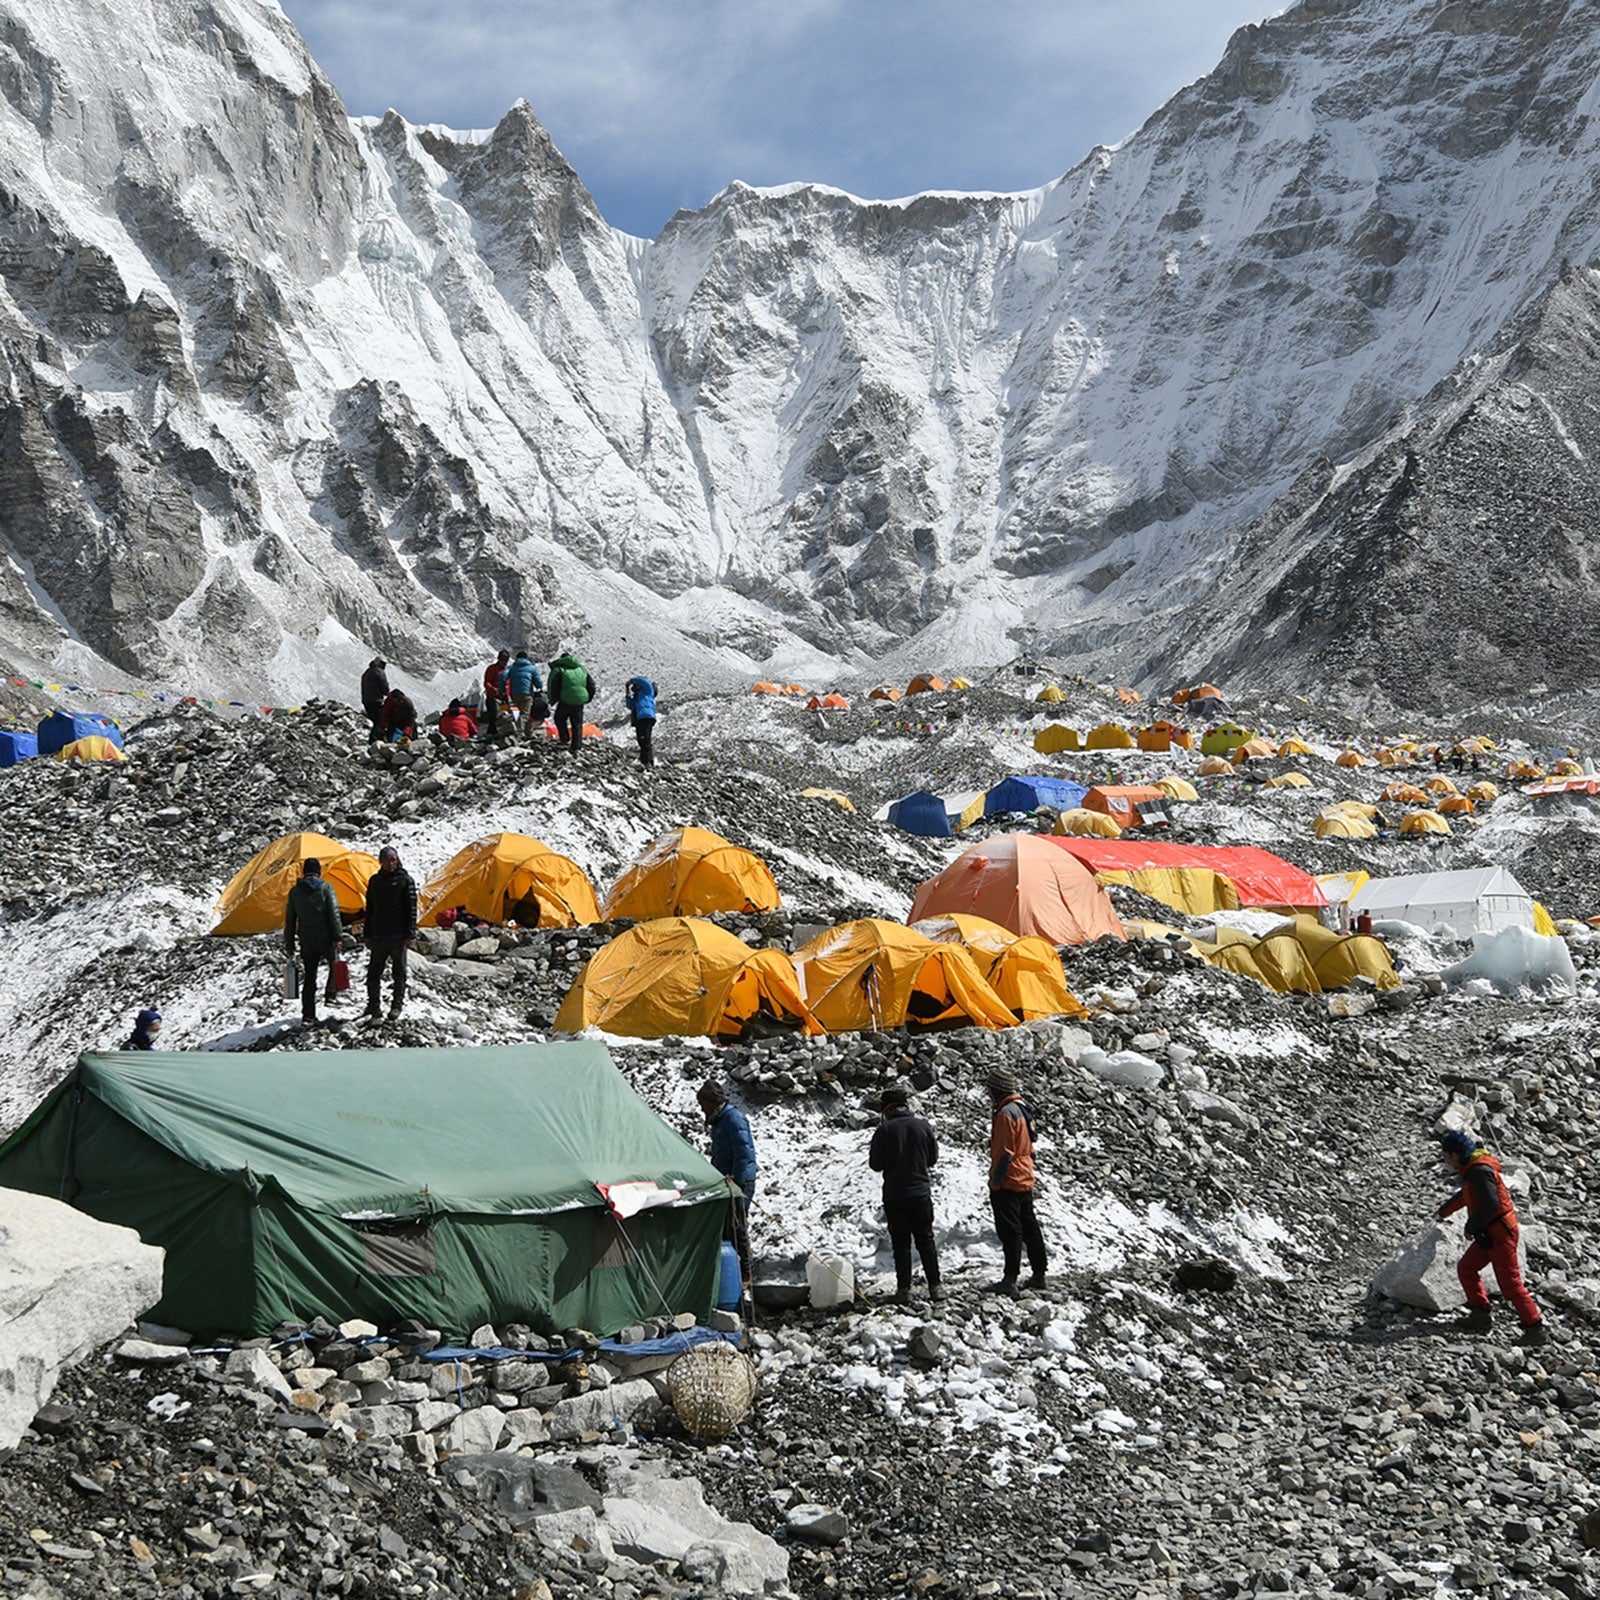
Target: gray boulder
67,1284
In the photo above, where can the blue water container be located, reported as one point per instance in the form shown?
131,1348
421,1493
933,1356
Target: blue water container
730,1283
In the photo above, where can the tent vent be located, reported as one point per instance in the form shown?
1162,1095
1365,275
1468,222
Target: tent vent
398,1249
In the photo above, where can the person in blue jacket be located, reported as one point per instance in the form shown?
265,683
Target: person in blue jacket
733,1154
641,701
522,682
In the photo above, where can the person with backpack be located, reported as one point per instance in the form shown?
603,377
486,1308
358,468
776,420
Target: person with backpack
311,916
1492,1231
1011,1185
903,1149
640,697
374,691
391,922
733,1154
522,683
145,1028
571,689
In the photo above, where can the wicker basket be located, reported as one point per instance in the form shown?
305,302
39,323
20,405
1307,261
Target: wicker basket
713,1388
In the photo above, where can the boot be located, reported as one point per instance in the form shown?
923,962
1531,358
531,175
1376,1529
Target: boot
1477,1320
1005,1286
1036,1281
902,1292
1534,1334
937,1291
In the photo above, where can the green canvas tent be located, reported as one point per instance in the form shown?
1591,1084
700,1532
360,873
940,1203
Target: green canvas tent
456,1186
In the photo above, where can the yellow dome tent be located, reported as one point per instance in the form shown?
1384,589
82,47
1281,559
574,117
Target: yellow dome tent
508,877
843,801
1177,789
257,893
1350,758
1406,793
1079,820
1456,804
1055,738
874,974
1423,822
682,975
1289,780
92,747
1109,736
1254,750
1295,747
960,683
1343,825
1302,956
1356,808
1214,767
1050,695
692,872
1024,971
1483,792
1439,784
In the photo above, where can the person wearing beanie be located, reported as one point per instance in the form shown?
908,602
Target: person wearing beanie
1011,1185
1493,1230
391,924
311,915
903,1149
145,1028
733,1154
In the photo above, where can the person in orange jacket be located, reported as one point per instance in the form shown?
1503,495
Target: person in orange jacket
1493,1228
1011,1185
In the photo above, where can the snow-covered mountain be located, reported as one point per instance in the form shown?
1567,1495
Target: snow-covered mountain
1304,365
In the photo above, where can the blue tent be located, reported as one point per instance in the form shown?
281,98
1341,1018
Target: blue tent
1028,794
15,747
922,813
60,728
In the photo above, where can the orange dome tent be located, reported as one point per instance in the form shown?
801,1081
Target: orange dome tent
1253,750
256,895
924,685
1350,758
1439,784
1026,884
91,747
1456,804
1024,972
880,693
508,877
682,975
765,688
828,702
874,974
691,872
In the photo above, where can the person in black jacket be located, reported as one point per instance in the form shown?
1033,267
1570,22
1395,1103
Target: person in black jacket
391,921
311,915
374,691
903,1149
145,1028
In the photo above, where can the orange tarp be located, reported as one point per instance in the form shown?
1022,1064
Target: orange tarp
1019,881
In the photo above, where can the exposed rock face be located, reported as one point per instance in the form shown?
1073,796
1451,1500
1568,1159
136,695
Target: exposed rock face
281,387
67,1284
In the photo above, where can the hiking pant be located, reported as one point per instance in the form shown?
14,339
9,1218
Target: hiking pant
1017,1226
736,1230
1502,1256
386,952
644,730
309,964
375,717
569,725
911,1221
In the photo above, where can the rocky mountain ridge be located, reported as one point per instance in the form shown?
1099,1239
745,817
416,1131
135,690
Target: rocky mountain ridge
283,387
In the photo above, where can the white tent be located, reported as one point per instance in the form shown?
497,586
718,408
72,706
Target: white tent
1477,900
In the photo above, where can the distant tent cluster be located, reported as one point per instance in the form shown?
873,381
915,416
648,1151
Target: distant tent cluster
66,735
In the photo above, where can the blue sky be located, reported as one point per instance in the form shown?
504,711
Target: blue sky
661,103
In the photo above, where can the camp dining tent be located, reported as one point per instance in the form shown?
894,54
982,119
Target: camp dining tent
455,1186
1468,901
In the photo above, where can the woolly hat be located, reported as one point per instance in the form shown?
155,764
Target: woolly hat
1001,1083
711,1093
146,1017
1457,1143
897,1094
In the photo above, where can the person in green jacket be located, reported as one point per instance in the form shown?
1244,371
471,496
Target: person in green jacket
312,914
571,689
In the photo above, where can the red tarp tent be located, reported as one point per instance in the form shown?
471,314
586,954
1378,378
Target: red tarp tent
1259,878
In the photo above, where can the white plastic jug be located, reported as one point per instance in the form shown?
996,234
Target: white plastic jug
832,1280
